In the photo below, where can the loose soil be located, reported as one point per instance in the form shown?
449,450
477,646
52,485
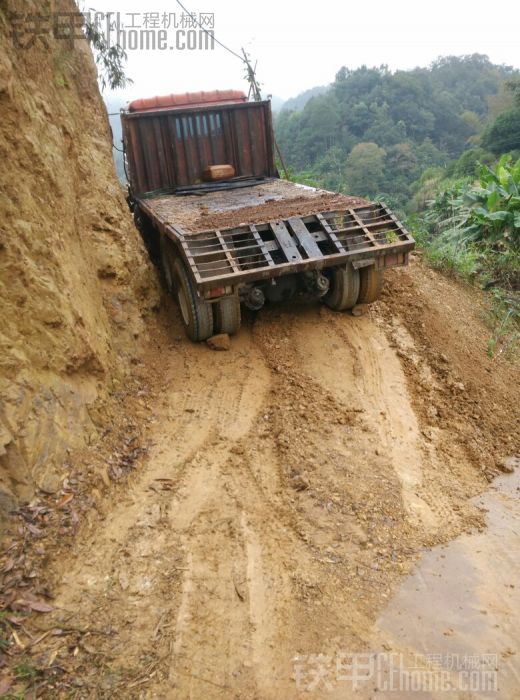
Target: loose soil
195,521
252,506
277,199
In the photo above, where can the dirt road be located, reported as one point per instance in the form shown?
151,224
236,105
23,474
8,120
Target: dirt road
289,486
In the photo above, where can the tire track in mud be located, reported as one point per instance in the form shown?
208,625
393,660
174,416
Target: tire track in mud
279,504
200,586
374,380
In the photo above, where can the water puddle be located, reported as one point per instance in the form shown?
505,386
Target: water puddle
453,628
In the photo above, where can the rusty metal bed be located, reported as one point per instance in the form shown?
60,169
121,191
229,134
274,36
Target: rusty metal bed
365,235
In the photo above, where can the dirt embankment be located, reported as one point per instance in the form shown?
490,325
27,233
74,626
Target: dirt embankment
74,280
288,486
276,494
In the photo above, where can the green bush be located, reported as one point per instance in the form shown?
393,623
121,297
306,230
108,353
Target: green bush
473,230
504,134
469,162
485,212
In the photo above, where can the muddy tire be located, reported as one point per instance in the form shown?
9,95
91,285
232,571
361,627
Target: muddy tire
344,288
196,314
167,258
370,284
226,315
149,235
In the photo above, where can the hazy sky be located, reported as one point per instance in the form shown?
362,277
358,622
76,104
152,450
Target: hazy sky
298,46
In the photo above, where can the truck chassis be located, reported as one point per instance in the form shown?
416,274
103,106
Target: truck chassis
364,235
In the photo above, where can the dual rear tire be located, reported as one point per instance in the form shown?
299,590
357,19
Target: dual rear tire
349,287
226,315
201,319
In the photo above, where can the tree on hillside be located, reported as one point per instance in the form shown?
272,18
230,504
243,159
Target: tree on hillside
513,85
504,134
470,161
330,169
358,83
469,79
501,101
110,60
438,112
364,172
401,159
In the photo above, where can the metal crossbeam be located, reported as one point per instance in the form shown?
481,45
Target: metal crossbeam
285,240
305,239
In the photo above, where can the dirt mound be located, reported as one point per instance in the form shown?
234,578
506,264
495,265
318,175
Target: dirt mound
464,390
288,486
74,279
298,206
273,199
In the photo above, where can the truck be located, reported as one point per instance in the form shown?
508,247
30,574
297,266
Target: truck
227,230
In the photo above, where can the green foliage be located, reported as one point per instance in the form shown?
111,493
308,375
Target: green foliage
513,85
469,162
473,230
501,101
488,211
364,171
26,671
4,631
420,118
329,170
495,205
302,178
110,60
505,319
504,133
444,253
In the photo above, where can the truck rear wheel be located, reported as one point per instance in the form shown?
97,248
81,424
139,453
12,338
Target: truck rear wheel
167,262
370,284
344,288
149,235
196,314
226,314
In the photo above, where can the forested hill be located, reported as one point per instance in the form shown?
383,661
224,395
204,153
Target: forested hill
374,131
299,102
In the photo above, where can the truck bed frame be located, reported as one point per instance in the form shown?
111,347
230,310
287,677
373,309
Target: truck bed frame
366,234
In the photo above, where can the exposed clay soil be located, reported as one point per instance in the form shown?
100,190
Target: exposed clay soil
192,521
252,505
75,282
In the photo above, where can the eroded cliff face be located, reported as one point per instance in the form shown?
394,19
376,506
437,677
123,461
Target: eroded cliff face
75,282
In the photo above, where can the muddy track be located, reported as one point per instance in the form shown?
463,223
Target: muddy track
289,485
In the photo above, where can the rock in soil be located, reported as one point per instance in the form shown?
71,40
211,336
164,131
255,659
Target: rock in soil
359,310
509,464
219,342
